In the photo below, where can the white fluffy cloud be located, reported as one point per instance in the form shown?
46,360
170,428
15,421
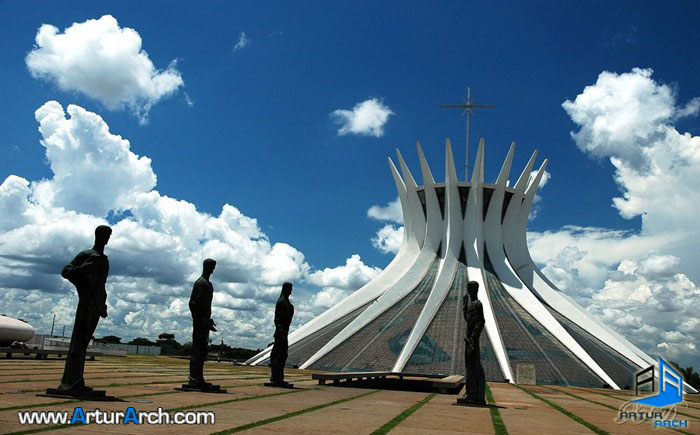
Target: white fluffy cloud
83,153
366,118
641,282
351,276
103,61
242,42
388,239
391,212
157,245
339,282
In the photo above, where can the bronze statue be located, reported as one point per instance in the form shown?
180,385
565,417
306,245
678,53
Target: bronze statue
202,323
284,311
88,273
475,379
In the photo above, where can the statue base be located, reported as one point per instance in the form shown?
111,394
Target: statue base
463,401
280,385
94,395
207,388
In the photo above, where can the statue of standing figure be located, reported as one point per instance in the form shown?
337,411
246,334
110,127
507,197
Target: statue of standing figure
475,379
88,273
202,324
284,311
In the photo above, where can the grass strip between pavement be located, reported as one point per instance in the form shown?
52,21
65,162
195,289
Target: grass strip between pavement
184,408
601,404
569,414
290,414
130,396
131,384
626,400
389,425
498,425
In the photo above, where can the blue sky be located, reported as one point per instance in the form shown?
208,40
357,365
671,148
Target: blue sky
252,125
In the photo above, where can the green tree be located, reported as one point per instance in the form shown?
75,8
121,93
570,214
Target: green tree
111,339
168,344
141,341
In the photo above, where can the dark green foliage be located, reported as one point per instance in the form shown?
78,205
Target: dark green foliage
140,341
110,339
689,375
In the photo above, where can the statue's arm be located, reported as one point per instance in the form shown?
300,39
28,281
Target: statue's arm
75,268
197,303
196,300
478,315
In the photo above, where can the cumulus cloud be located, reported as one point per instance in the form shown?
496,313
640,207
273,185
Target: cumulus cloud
641,282
83,153
391,212
366,118
103,61
388,239
156,249
654,305
351,276
242,42
339,282
535,210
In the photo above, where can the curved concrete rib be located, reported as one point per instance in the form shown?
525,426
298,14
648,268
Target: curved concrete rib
451,247
522,263
413,274
403,199
416,216
474,249
519,291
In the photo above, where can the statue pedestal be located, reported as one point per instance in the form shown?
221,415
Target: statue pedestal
282,385
94,395
208,388
463,401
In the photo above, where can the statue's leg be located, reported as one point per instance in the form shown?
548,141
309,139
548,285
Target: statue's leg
284,345
75,359
199,348
273,362
481,377
92,325
471,381
205,353
277,358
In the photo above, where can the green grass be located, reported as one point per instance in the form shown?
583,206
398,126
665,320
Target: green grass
498,425
601,404
389,425
627,400
290,414
130,384
569,414
201,405
131,396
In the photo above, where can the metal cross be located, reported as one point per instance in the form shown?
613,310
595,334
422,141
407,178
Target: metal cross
468,106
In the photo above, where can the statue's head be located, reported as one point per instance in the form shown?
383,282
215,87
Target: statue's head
472,289
287,289
208,266
102,234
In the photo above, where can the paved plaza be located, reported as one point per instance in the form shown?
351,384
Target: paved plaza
147,383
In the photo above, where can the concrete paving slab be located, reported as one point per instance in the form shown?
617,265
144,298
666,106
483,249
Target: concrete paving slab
440,416
523,414
359,416
598,415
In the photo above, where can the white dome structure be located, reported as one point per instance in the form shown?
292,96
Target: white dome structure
12,330
409,318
